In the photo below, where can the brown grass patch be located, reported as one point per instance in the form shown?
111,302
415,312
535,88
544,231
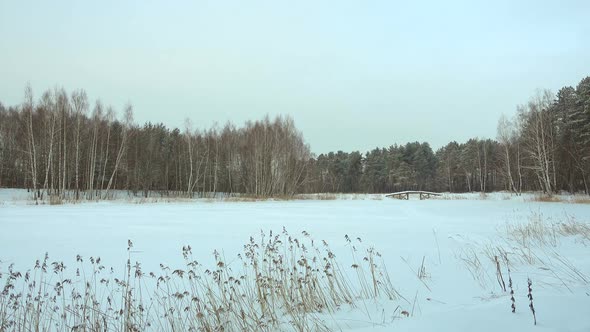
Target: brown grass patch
545,198
242,199
581,200
560,199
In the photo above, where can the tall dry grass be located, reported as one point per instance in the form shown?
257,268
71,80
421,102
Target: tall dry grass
535,242
574,199
278,282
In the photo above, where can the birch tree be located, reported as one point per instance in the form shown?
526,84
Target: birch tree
28,111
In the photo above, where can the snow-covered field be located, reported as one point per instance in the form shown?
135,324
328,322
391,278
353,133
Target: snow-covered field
438,252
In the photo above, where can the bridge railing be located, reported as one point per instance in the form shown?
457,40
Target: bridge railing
406,194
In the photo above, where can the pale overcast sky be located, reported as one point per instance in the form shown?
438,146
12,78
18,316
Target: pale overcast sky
353,74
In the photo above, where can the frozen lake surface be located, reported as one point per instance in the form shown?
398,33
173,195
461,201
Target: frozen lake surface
440,232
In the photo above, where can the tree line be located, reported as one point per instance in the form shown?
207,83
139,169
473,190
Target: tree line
544,146
62,146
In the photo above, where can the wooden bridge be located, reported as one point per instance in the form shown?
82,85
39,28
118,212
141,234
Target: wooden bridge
406,194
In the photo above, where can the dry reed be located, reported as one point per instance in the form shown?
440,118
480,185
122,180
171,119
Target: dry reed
279,282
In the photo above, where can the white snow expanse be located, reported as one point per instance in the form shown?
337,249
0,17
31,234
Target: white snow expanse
458,290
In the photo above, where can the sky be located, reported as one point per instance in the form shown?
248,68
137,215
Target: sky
354,75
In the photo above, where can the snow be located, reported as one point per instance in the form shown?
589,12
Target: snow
443,232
